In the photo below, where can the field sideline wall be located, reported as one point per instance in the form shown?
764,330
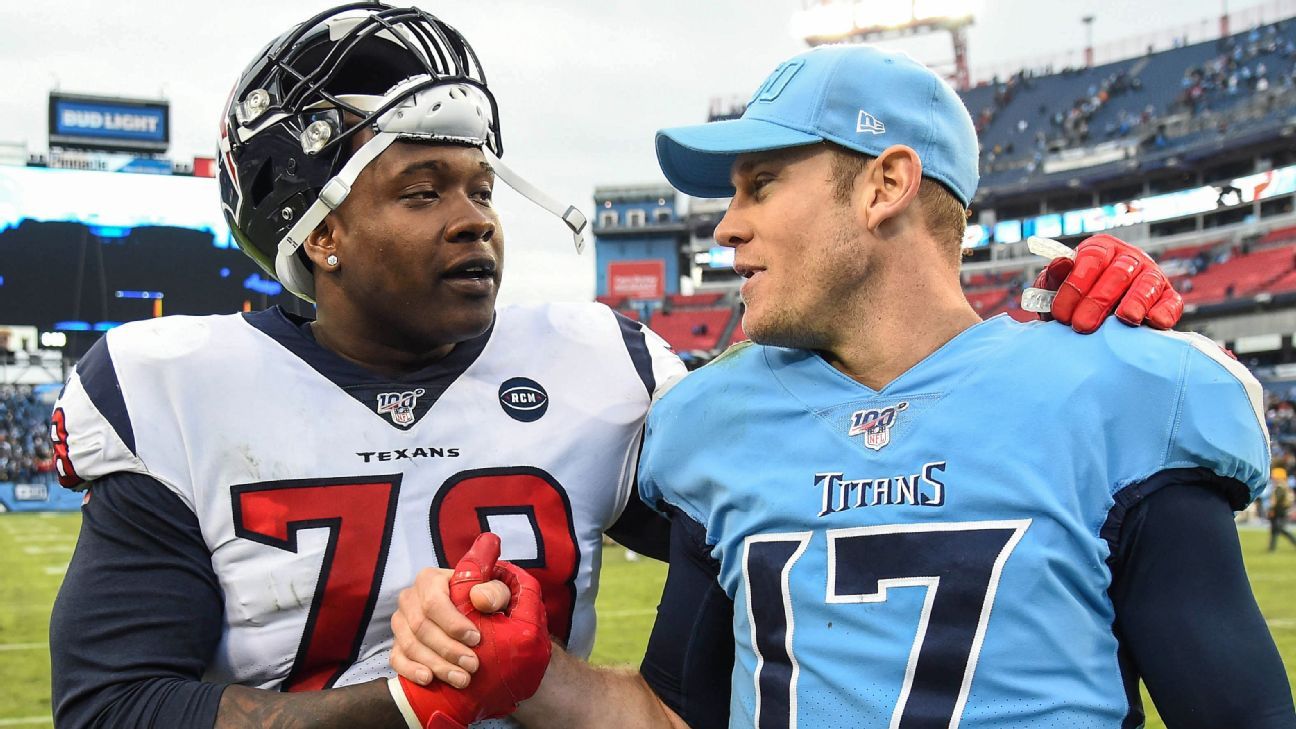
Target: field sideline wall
17,497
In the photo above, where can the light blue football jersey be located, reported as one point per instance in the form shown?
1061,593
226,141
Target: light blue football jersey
933,554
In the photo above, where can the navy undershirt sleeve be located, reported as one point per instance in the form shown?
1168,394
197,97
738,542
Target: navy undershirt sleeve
139,615
641,529
1186,618
690,656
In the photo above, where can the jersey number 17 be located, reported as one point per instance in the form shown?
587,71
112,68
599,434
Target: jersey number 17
958,564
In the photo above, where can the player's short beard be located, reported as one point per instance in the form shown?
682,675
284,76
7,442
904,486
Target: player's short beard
836,277
784,329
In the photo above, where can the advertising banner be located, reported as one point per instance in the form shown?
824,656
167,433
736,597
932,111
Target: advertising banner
637,279
93,122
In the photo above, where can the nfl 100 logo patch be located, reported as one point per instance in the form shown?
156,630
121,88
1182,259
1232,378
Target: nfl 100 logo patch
875,424
399,405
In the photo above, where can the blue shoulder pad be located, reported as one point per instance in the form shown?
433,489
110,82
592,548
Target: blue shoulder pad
1220,423
669,445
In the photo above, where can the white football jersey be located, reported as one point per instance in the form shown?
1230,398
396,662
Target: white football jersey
322,489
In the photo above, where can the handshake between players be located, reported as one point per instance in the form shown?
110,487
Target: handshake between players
502,614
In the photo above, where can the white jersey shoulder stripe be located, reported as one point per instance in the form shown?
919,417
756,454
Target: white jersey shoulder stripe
1210,348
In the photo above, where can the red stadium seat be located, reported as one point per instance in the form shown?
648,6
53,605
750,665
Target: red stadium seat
1279,235
690,330
695,300
1239,276
1174,254
738,334
987,303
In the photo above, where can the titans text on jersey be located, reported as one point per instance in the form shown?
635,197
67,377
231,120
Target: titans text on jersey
923,487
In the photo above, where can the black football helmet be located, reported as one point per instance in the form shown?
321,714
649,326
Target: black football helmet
399,71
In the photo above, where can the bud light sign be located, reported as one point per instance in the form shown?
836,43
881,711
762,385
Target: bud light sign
104,123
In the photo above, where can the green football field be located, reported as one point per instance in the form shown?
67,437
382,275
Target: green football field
34,550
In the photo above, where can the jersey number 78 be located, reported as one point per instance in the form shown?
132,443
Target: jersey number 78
360,513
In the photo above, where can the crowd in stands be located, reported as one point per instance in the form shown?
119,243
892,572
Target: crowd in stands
25,453
1280,417
1025,117
1240,68
1003,94
1074,124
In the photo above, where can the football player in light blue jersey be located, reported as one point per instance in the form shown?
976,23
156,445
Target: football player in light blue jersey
889,513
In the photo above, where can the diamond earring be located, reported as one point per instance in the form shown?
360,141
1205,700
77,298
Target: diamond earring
332,260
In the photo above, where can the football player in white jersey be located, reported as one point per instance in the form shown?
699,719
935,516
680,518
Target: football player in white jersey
261,486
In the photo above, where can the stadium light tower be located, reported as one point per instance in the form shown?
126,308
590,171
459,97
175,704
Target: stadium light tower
858,21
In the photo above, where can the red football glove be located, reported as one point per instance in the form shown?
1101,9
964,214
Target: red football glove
1107,270
513,652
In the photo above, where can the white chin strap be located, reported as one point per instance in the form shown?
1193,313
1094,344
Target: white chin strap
573,218
448,114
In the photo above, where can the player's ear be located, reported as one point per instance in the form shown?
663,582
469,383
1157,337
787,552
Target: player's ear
890,184
320,244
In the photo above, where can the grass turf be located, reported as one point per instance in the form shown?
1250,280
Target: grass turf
34,549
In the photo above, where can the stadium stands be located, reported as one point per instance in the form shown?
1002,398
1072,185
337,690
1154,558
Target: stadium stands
1279,235
696,300
24,448
1174,98
984,279
1239,275
688,330
988,303
1283,284
738,334
1187,252
1211,272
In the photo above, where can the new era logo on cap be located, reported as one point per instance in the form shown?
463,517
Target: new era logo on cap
866,122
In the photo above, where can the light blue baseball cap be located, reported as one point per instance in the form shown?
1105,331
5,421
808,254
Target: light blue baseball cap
858,96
